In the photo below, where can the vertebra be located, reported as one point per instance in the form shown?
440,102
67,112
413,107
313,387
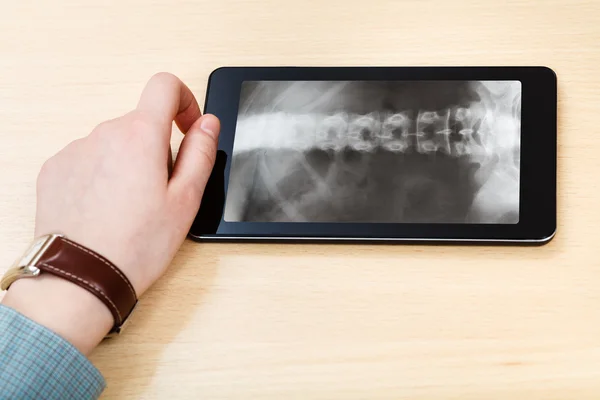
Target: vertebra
395,126
434,132
363,131
330,132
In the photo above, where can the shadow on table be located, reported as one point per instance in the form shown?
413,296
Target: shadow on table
129,362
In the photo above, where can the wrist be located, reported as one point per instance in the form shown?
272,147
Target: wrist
63,307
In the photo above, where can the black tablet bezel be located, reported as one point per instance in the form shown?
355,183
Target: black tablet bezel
537,222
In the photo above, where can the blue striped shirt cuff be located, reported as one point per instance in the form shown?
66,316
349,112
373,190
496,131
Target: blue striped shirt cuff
36,363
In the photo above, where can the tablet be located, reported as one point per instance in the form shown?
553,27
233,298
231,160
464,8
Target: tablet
395,154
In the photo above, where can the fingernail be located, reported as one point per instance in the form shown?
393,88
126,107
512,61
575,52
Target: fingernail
210,125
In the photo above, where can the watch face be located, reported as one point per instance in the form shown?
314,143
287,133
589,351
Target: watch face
31,253
35,251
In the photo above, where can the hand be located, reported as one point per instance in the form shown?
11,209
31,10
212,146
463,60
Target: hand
117,192
111,191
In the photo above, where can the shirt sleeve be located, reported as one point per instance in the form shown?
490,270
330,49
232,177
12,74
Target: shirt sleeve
36,363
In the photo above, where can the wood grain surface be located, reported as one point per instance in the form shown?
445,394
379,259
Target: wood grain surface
263,321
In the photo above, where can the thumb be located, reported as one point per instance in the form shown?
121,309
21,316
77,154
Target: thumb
195,161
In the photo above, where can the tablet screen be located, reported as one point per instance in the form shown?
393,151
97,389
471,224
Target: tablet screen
377,152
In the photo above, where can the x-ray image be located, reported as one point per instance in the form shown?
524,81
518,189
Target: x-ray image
377,152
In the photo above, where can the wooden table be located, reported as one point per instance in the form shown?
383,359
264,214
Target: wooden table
330,321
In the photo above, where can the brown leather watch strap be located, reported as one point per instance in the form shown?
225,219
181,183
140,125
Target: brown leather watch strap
91,271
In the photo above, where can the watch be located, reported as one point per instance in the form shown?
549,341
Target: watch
58,255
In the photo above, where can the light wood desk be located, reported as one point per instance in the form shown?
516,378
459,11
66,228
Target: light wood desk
323,322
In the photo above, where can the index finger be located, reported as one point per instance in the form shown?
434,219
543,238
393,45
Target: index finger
168,99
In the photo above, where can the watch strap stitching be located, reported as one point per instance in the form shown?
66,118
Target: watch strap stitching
105,262
89,286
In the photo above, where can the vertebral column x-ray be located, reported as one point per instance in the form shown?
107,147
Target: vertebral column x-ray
402,152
